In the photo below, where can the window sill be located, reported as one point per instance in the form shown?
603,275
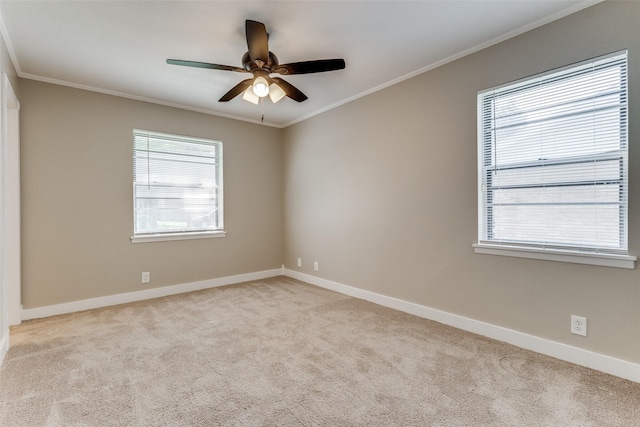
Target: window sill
607,260
163,237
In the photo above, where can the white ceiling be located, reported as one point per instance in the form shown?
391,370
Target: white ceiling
120,47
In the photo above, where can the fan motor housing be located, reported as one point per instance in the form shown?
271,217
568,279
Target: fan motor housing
251,66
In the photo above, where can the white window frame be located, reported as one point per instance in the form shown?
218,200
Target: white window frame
566,252
185,232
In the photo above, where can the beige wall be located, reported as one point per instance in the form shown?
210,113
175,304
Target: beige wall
382,193
77,197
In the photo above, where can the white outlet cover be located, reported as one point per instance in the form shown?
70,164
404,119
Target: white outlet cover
579,325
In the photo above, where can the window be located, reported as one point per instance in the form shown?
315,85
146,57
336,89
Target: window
552,162
177,187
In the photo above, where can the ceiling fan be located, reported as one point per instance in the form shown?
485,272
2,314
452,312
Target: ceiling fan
261,62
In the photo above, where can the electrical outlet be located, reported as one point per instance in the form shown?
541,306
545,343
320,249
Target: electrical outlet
579,325
299,262
146,277
316,266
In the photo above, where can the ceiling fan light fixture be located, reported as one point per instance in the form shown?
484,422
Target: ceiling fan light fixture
261,87
260,62
276,93
250,96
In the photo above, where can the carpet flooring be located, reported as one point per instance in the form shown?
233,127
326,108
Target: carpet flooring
279,352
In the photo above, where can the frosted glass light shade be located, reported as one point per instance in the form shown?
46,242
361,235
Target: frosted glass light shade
275,93
250,96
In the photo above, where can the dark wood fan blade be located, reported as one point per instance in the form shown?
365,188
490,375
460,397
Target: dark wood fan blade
236,90
308,67
290,90
205,65
257,41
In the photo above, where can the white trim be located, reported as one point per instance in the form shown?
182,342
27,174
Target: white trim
618,367
163,237
602,259
106,301
143,99
4,347
11,141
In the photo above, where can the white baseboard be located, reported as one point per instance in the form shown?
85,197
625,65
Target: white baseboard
89,304
618,367
610,365
4,346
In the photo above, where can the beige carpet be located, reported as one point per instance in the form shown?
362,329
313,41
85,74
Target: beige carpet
279,352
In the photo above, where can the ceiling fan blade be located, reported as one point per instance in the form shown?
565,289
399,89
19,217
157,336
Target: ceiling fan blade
290,90
236,90
257,41
205,65
308,67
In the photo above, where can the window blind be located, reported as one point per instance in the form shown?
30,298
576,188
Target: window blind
553,159
177,184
